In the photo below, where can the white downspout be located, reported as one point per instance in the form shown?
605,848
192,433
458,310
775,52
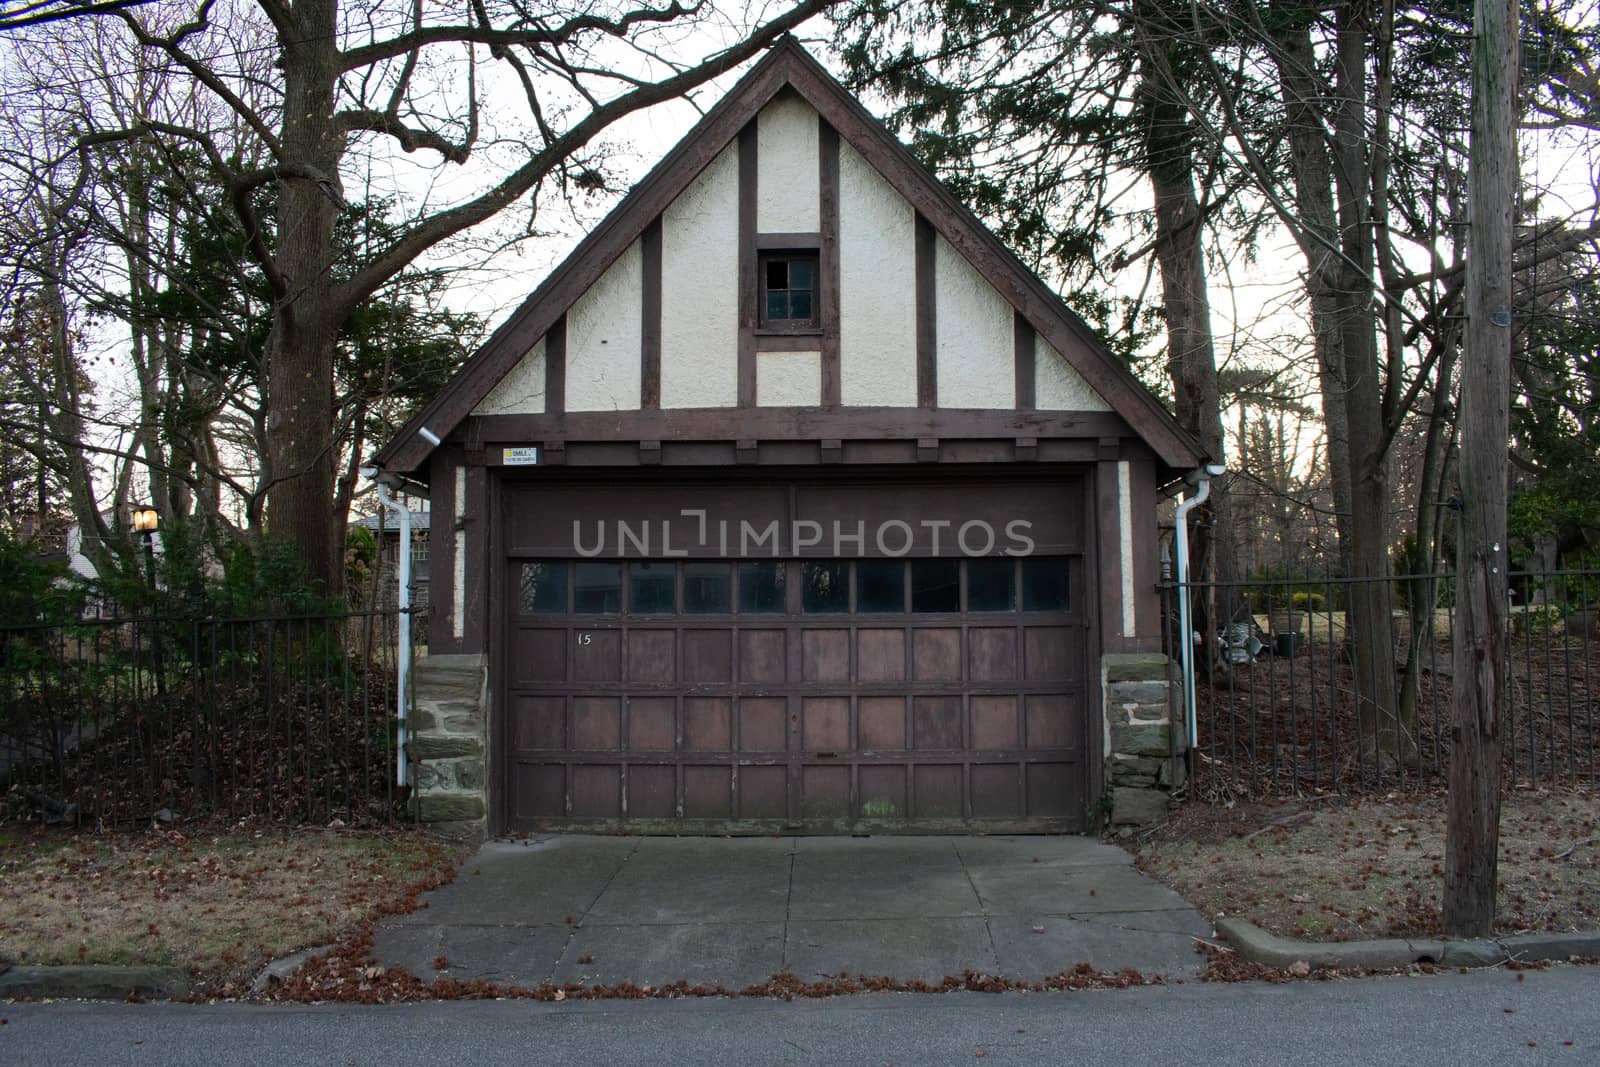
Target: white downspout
1201,480
403,640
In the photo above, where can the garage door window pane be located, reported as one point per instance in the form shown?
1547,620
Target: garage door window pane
597,588
880,585
707,588
989,585
544,588
826,587
761,587
936,585
651,588
1044,585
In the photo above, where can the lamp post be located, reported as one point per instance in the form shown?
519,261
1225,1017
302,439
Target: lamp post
146,520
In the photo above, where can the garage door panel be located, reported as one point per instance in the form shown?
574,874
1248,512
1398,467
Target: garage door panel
882,791
763,792
597,655
1050,723
652,656
938,792
763,724
825,655
706,725
539,722
596,791
825,792
825,724
996,790
541,790
652,724
883,723
992,654
994,722
652,792
936,723
1051,790
881,655
763,656
708,792
708,656
1050,654
936,655
540,656
596,723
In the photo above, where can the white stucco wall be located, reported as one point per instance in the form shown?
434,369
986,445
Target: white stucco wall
877,288
977,365
788,379
604,341
1057,386
788,185
521,391
700,290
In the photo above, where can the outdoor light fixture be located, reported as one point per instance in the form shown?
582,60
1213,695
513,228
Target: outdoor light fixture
145,520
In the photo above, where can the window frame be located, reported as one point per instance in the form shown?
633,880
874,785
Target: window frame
811,326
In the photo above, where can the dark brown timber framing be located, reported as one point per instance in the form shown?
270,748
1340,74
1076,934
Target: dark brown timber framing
749,174
789,64
828,168
650,327
800,424
1022,347
555,367
927,317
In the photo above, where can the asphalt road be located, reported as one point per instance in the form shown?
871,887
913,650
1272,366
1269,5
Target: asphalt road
1553,1017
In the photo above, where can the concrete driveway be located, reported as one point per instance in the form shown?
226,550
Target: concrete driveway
569,908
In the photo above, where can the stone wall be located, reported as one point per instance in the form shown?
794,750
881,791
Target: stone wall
449,731
1144,739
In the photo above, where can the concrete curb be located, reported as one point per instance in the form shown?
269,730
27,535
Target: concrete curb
283,968
94,982
1259,946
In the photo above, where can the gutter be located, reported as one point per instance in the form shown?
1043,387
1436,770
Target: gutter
1200,478
403,636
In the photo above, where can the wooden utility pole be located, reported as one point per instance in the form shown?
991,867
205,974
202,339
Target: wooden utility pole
1473,833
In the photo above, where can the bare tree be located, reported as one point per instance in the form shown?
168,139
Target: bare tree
350,82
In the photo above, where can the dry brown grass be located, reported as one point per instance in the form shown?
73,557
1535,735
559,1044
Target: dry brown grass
219,904
1338,870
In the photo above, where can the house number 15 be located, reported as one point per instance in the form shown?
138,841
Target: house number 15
584,639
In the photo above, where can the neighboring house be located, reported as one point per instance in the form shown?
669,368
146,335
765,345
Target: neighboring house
792,500
388,534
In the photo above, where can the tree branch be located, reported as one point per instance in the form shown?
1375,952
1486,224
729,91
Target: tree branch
436,228
365,55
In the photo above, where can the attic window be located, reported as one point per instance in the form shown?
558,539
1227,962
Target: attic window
788,297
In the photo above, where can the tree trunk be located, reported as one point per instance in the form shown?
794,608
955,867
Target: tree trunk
1168,148
302,343
1338,243
1472,838
1422,587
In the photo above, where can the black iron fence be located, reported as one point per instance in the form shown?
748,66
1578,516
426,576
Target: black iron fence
133,721
1279,706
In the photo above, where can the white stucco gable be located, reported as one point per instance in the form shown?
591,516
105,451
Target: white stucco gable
875,303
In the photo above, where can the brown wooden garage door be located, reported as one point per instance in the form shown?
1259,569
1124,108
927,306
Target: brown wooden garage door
827,694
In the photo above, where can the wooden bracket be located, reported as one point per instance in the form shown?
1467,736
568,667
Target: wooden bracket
832,450
927,450
1110,449
744,452
555,454
1027,448
650,453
